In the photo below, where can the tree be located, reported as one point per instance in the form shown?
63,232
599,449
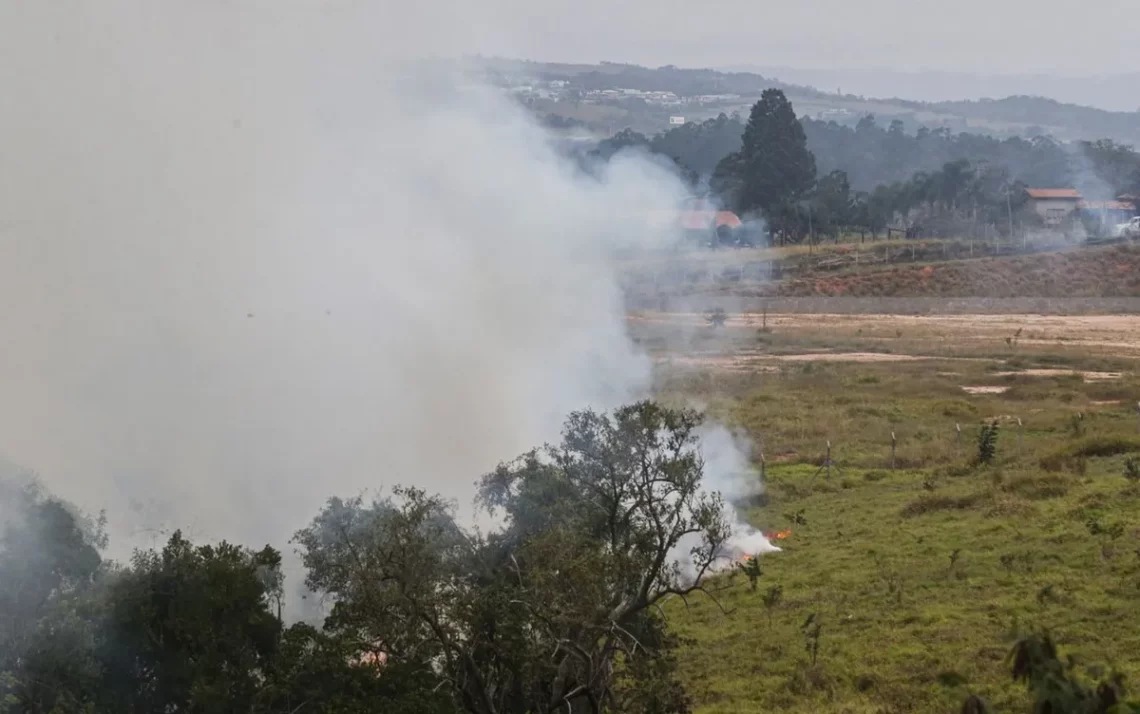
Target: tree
773,167
541,614
50,567
320,673
833,204
1055,685
189,629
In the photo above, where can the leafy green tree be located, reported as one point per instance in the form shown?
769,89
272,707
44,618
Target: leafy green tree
1055,685
189,629
321,673
773,167
833,202
987,442
542,614
49,568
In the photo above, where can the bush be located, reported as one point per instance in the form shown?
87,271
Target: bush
929,503
1092,447
1132,469
1038,487
987,442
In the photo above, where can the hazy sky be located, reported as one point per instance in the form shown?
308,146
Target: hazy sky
988,36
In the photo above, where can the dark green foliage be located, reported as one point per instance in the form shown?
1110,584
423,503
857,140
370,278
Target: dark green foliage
812,629
49,570
773,167
751,569
987,443
647,683
772,599
188,629
322,673
1132,469
1054,684
536,616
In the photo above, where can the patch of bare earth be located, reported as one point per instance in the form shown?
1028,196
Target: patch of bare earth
846,357
1087,376
985,390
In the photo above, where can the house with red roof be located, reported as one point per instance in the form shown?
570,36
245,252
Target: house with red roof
700,215
1054,205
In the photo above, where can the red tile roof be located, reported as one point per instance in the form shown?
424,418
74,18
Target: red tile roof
704,220
1063,193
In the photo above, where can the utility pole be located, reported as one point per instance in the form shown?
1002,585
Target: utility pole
1009,213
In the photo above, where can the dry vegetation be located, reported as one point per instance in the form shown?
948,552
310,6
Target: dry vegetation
916,270
917,574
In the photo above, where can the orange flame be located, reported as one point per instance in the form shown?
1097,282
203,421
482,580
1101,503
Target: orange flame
778,535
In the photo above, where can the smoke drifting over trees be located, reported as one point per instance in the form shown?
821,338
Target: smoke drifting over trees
255,258
247,272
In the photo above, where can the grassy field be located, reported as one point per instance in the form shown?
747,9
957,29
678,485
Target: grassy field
917,574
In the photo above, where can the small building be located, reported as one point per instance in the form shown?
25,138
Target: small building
1108,212
676,121
702,218
1054,205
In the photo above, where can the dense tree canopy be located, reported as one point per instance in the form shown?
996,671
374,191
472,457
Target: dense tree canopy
554,610
773,167
539,615
872,155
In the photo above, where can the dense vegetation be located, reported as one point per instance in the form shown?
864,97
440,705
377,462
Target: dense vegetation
572,605
812,177
556,610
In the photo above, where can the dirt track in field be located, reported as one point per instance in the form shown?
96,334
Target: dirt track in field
1108,333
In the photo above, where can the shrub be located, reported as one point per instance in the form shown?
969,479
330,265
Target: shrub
1038,487
987,442
929,503
1132,469
1092,447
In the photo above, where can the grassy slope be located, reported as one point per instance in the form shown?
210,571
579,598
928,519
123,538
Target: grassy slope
1111,271
1093,272
900,626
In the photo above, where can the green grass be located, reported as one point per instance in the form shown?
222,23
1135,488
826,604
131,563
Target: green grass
906,627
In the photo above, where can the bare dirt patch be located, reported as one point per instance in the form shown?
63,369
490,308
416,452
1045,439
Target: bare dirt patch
846,357
985,390
1087,376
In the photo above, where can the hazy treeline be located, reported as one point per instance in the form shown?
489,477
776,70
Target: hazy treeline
873,155
555,609
807,177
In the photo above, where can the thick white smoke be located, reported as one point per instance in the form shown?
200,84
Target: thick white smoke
251,259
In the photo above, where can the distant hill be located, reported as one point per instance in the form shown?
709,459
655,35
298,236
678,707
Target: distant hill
1082,122
1012,116
1111,92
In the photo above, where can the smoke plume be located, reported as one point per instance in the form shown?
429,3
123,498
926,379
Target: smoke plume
254,258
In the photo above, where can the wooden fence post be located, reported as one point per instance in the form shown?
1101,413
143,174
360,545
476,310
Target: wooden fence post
893,440
958,438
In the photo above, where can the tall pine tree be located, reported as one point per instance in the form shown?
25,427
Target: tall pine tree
774,167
